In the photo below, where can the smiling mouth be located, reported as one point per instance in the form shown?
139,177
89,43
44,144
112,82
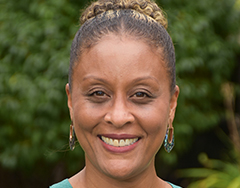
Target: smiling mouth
119,142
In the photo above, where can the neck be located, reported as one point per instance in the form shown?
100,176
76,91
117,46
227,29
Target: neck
90,177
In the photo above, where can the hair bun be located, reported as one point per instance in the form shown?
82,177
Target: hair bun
146,7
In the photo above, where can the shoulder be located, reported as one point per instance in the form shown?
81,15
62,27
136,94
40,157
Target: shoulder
174,186
63,184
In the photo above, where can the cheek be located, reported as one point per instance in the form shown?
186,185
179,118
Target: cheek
85,120
154,119
86,116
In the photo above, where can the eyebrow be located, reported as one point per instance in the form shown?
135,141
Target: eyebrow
135,80
145,78
95,78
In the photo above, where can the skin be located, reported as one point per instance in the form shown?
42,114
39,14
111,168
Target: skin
120,87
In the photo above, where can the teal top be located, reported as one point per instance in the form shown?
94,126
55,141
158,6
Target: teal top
65,184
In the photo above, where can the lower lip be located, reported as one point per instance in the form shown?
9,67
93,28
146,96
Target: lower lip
121,149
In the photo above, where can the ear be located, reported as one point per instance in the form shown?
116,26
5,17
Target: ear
69,100
173,103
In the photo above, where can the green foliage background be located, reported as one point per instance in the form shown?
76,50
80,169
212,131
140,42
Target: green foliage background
35,39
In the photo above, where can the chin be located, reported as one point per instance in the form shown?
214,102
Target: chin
120,171
120,175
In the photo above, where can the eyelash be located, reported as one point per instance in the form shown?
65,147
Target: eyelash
103,93
100,96
97,92
142,93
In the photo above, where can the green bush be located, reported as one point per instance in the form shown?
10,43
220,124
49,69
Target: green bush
34,54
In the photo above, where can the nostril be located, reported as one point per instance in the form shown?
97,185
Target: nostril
107,118
118,119
119,114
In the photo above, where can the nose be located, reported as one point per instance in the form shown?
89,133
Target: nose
119,114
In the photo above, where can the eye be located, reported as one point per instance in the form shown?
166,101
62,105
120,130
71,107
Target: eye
98,96
140,94
142,97
99,93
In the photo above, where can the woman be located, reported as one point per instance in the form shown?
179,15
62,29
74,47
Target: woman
122,94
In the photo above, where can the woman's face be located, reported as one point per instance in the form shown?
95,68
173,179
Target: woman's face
120,105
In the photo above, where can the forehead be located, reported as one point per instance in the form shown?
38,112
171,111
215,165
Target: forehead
113,38
122,46
121,56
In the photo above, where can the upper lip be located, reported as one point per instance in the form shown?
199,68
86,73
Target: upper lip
120,136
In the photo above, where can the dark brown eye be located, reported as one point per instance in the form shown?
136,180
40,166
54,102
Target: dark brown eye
140,94
141,97
98,96
99,93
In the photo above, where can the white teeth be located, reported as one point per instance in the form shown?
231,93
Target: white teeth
110,141
119,143
115,142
